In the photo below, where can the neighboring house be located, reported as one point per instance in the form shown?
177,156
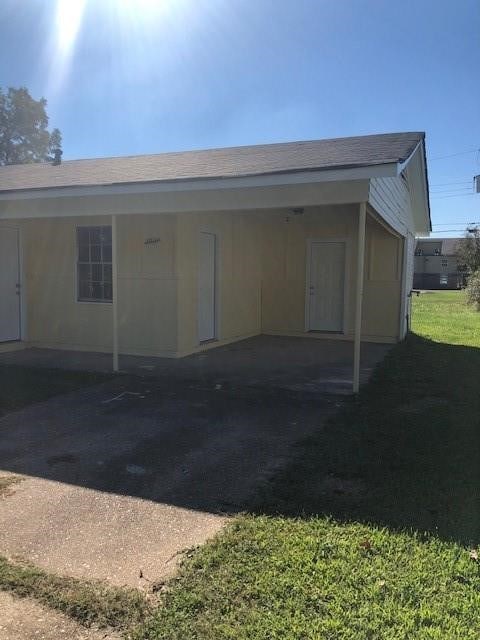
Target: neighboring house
166,255
436,264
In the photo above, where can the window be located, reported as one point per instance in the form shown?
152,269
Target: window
94,264
444,263
444,280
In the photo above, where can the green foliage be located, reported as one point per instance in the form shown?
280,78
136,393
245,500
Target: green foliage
473,289
272,578
371,526
468,251
446,318
88,602
24,135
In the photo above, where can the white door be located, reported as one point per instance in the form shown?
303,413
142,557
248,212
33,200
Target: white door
9,285
326,287
206,287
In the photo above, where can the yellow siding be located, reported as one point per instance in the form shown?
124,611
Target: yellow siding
238,272
382,289
261,278
285,262
147,287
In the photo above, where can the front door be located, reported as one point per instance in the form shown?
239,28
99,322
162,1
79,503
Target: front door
326,287
9,285
206,287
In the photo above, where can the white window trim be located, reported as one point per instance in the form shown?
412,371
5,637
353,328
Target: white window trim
76,292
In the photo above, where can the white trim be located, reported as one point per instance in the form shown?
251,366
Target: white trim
21,296
201,184
362,224
401,165
216,290
23,291
346,241
114,294
75,287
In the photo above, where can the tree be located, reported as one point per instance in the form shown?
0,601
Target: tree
24,135
473,289
468,251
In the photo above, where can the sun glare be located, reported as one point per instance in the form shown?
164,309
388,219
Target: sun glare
128,27
68,19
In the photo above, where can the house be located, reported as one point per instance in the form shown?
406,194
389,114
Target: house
436,264
169,254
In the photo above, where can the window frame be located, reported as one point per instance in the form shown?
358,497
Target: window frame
78,300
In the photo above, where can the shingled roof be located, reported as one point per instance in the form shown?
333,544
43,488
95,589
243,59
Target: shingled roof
265,159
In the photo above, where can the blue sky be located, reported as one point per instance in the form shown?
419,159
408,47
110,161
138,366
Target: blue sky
145,76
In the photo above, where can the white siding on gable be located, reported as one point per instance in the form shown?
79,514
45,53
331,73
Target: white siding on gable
390,197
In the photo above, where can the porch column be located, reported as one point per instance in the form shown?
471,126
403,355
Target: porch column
362,218
114,293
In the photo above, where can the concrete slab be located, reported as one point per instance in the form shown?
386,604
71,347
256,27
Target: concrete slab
123,476
84,533
301,364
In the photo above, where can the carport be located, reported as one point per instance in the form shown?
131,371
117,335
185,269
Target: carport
172,255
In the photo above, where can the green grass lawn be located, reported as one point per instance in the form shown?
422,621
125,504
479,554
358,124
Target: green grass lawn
369,533
21,386
445,317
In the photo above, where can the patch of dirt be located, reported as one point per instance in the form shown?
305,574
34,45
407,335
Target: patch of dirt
7,483
25,619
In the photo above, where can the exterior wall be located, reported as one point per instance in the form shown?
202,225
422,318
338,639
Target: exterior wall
436,265
261,268
238,276
383,283
146,287
284,257
438,272
392,199
284,251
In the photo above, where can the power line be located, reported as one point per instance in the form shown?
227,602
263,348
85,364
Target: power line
444,184
453,155
459,195
449,224
447,231
450,190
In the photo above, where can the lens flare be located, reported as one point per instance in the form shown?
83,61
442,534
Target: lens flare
68,19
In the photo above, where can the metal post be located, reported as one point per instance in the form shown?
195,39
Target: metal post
115,293
362,218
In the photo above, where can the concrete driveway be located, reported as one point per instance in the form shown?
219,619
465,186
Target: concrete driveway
123,476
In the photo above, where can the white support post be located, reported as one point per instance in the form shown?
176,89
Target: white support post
114,293
362,218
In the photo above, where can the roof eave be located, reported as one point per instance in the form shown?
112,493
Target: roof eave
278,178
